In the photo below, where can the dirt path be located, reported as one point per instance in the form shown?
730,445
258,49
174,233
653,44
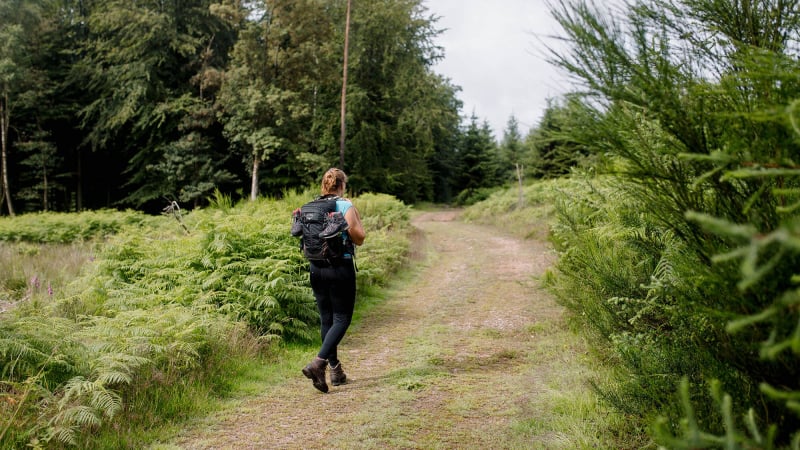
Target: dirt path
470,354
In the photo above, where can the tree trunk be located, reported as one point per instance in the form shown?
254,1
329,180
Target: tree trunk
520,200
4,119
79,187
44,181
254,179
343,131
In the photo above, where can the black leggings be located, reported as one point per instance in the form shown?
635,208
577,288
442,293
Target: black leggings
334,288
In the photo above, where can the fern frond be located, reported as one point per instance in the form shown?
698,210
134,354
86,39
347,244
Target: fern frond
80,416
76,388
107,402
62,434
111,378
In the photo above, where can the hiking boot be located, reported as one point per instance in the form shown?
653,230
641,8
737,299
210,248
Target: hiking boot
337,375
315,371
334,224
297,224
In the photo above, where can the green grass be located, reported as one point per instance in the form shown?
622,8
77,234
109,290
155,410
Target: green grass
165,410
28,269
528,218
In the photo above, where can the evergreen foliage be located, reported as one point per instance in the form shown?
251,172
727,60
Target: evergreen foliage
399,111
116,104
552,147
681,261
481,166
511,150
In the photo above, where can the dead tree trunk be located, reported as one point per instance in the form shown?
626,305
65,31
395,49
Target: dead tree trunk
520,200
343,131
4,119
254,178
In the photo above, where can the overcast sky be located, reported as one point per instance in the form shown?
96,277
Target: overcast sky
492,52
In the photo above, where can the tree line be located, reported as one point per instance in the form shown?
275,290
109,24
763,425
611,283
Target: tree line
111,103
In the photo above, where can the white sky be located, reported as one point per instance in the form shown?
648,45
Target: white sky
493,51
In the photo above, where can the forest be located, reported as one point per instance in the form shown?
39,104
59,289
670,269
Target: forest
118,104
670,173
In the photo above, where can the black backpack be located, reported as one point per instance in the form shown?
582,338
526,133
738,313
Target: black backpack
312,221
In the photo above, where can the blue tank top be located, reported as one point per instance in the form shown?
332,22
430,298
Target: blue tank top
342,206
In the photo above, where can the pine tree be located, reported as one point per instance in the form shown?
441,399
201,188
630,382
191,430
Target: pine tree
693,102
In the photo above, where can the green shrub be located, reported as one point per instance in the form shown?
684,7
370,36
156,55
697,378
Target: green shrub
65,228
684,262
526,215
469,197
648,302
385,250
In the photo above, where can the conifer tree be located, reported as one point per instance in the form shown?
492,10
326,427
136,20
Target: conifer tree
512,149
479,160
553,146
691,100
138,60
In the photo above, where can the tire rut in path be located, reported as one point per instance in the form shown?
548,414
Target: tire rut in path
453,360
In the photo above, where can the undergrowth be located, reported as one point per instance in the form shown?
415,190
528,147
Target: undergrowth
693,353
160,318
525,213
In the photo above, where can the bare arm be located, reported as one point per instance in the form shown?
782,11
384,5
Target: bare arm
356,230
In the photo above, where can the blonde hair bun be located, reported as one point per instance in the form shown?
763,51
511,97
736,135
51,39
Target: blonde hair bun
333,181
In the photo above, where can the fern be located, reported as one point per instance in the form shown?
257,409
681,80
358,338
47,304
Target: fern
83,406
35,344
65,228
157,305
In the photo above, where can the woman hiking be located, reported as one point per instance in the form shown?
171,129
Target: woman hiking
332,271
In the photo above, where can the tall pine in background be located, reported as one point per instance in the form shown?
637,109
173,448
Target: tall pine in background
137,63
397,107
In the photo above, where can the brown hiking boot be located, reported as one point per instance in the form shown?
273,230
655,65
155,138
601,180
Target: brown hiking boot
337,375
315,371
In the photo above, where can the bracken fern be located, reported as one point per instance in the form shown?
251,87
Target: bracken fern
157,305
